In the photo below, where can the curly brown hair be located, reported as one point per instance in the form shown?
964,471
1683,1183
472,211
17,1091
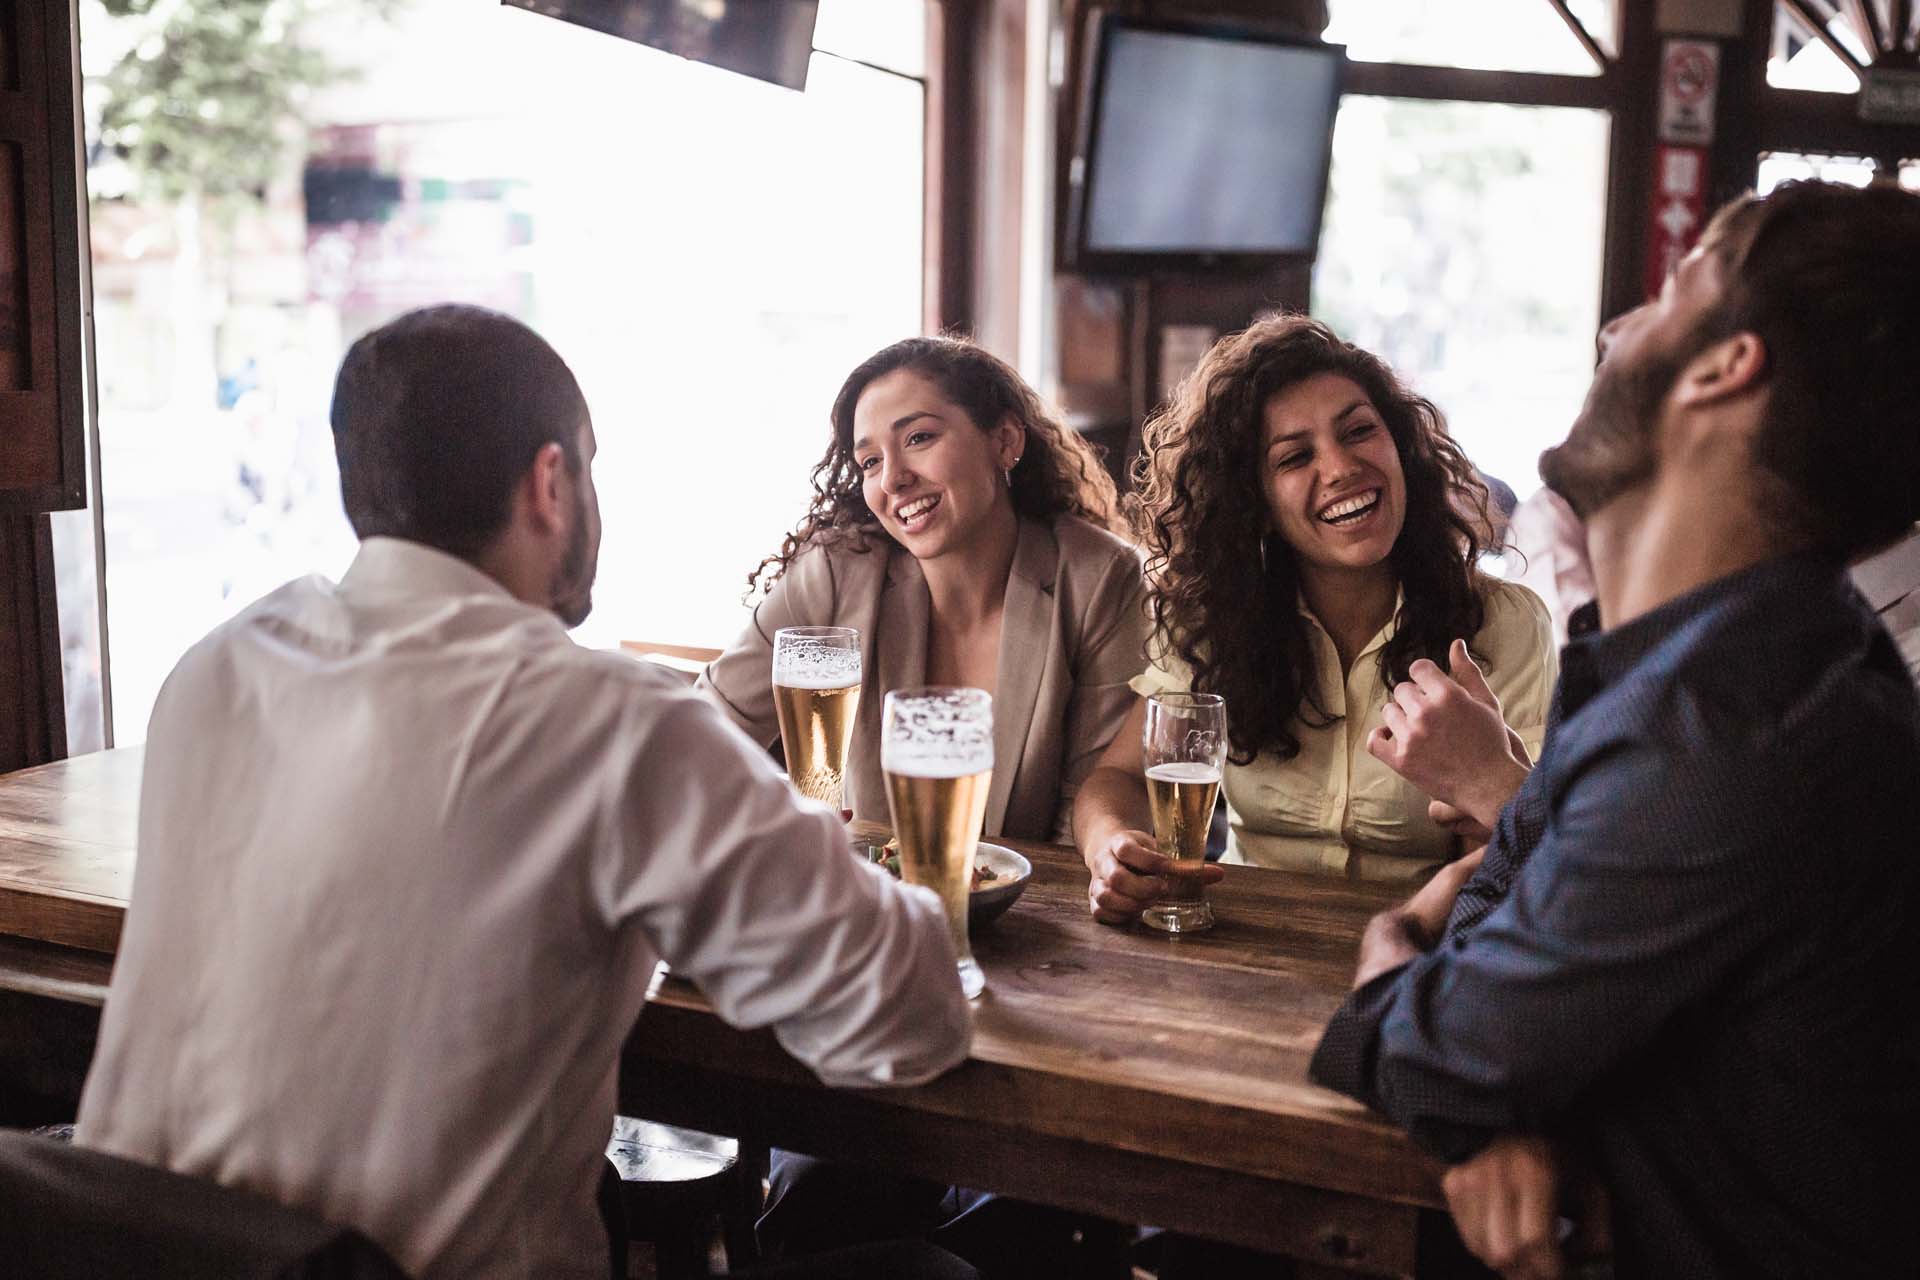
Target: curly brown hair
1224,588
1058,473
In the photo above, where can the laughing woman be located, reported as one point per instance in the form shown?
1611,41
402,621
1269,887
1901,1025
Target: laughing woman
969,538
1312,531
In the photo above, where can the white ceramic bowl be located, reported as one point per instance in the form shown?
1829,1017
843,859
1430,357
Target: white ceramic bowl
1011,871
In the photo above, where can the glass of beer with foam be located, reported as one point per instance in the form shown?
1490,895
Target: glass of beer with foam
1185,743
816,690
936,749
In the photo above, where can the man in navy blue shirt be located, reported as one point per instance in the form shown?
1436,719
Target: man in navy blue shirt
1690,958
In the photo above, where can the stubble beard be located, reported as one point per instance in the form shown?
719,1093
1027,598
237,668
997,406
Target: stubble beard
1611,447
572,589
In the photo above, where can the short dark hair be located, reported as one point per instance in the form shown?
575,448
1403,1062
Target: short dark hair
1828,277
438,414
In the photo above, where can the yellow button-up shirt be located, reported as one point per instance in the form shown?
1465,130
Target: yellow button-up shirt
1335,809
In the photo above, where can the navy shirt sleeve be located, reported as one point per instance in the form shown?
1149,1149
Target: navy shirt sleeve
1639,897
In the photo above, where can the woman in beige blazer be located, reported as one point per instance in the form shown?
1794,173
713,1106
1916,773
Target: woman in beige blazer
971,541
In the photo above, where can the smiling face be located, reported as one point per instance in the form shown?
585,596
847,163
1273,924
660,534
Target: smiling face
932,477
1335,490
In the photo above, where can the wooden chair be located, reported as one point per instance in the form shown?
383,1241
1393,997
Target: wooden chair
683,659
677,1184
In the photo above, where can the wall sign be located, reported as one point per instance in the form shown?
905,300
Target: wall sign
1689,84
1679,209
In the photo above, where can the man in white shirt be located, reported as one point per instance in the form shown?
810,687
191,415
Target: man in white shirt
408,856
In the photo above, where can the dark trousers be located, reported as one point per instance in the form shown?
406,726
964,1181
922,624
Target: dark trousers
814,1206
887,1260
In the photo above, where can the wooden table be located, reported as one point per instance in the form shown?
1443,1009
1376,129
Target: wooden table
1114,1071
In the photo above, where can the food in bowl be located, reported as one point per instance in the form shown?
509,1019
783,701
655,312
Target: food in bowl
888,856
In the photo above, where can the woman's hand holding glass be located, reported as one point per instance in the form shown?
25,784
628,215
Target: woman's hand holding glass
1128,875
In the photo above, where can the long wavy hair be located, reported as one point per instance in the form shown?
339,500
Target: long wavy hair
1058,473
1225,587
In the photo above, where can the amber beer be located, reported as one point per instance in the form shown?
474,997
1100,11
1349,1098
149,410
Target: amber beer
1181,798
1184,747
937,754
815,725
937,821
816,693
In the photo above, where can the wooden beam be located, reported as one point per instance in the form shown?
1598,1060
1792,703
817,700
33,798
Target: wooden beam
1580,33
1818,30
1522,88
1864,16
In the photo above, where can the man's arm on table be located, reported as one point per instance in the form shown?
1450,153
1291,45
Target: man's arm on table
1646,892
753,895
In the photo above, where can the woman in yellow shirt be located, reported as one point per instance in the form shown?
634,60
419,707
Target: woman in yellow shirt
1312,532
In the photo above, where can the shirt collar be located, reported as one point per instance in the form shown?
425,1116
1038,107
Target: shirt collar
387,566
1603,656
1380,637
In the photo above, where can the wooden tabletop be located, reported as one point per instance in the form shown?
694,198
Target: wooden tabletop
66,849
1114,1071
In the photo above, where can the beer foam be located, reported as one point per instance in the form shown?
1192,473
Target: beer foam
939,735
806,664
1184,771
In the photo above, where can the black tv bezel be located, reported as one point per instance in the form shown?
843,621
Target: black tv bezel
1082,257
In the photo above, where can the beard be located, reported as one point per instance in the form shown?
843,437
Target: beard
573,581
1612,445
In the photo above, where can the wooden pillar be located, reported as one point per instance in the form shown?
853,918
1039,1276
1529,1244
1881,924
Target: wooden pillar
42,463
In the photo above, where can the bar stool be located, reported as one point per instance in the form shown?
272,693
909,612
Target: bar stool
674,1184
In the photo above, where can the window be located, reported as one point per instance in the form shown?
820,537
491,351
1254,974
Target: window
1777,167
1463,246
1492,35
1800,59
710,253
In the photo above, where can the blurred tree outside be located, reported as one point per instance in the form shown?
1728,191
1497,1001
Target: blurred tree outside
204,110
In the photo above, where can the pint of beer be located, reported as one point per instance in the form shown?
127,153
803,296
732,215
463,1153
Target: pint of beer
1185,745
816,690
936,748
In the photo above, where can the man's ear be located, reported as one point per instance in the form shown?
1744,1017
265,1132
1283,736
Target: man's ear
542,488
1735,365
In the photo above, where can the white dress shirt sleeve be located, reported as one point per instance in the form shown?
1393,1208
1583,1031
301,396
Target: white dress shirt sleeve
754,895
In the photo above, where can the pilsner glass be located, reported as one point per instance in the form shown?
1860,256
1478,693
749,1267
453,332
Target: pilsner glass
816,690
1185,744
936,748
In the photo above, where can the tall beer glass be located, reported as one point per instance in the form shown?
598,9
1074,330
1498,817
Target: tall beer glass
1185,742
936,748
816,690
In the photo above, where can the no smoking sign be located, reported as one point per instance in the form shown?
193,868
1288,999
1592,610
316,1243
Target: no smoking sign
1689,82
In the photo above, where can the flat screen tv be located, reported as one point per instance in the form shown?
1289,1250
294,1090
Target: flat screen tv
1202,145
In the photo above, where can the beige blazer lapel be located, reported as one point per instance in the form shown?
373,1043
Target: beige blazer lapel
1026,625
895,647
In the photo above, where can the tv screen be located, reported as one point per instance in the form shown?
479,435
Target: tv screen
1204,143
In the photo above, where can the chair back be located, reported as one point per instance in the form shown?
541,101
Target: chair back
67,1212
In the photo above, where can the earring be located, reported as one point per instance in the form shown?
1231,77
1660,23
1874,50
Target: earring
1008,473
1263,555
